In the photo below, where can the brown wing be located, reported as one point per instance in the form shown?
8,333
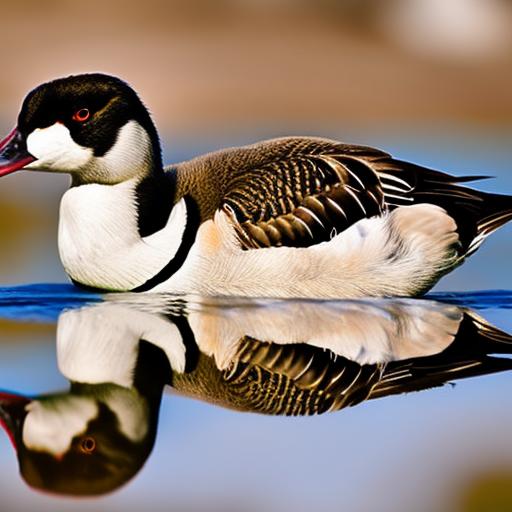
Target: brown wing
303,194
301,191
297,379
300,379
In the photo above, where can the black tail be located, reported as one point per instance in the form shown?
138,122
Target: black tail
496,211
477,214
472,353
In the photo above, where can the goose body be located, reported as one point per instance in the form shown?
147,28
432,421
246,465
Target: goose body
289,217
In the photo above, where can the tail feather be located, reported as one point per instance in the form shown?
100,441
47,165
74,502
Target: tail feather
478,349
497,212
476,213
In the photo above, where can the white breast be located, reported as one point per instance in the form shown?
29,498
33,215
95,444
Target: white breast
100,343
99,242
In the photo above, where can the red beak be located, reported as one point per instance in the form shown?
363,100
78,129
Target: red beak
12,414
13,153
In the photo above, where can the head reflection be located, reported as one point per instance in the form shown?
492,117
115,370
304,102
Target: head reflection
283,357
93,438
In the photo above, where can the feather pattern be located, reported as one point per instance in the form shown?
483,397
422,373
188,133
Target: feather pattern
304,197
300,379
301,191
303,379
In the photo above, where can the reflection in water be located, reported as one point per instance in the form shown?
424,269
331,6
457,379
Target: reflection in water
279,357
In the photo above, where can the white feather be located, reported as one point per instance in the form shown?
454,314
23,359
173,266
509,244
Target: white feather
51,425
55,150
131,409
128,158
99,242
399,253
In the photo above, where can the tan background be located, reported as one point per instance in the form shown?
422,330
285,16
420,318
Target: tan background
218,64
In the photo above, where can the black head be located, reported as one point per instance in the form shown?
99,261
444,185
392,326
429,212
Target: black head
98,455
93,126
98,461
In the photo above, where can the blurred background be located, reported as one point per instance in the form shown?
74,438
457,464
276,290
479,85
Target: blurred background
428,80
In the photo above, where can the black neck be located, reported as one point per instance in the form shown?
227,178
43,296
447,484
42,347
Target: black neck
155,199
155,192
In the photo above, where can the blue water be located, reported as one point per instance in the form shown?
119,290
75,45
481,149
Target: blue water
44,301
487,299
41,302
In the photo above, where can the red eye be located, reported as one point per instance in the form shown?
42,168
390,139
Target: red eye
87,445
81,115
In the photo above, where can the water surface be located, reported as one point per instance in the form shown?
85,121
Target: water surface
375,424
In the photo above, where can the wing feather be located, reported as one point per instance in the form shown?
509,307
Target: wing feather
303,197
302,191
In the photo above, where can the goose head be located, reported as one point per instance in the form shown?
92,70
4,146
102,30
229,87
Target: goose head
86,441
92,126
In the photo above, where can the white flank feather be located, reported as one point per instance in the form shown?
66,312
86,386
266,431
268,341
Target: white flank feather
367,332
399,253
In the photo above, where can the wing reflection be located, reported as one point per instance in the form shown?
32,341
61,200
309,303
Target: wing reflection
279,357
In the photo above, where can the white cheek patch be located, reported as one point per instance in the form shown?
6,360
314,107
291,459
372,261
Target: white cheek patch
132,413
51,426
130,154
55,150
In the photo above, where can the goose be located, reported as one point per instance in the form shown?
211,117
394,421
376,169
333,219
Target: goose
287,217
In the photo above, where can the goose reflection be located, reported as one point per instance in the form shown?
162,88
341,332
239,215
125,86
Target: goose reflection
279,357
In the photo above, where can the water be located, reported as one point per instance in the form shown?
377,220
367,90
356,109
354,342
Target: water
93,369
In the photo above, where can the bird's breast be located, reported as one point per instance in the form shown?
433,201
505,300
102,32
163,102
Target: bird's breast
99,242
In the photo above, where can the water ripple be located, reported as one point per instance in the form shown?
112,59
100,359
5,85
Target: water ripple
45,301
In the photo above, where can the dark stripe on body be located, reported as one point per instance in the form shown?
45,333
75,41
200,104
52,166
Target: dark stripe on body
189,237
175,263
189,340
